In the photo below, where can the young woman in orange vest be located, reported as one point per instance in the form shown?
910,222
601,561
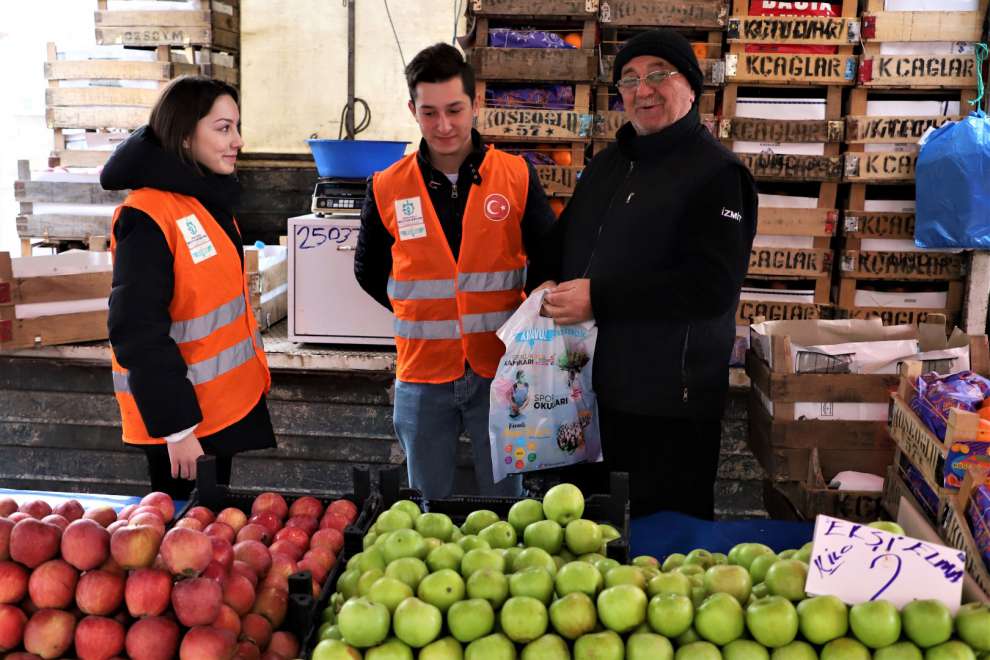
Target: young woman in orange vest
189,367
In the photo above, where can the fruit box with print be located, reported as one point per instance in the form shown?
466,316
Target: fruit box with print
959,532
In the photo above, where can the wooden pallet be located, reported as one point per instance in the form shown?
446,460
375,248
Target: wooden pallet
699,14
580,9
215,25
535,64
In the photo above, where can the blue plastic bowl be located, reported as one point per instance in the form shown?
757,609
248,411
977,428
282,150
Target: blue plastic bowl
354,159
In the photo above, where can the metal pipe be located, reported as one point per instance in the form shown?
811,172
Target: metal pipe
349,115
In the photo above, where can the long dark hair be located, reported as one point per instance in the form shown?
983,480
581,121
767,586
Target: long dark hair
182,103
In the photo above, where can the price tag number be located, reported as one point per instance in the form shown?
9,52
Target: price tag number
308,237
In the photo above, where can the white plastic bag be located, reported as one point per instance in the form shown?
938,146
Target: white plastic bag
543,412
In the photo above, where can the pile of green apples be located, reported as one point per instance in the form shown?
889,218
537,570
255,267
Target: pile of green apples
425,588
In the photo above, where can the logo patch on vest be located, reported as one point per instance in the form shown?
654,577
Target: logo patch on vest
496,207
409,217
197,240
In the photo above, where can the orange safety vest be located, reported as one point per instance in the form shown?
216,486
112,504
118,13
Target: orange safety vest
212,322
447,311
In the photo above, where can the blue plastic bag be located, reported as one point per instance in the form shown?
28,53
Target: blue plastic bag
953,186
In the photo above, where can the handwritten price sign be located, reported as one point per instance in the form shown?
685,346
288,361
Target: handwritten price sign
857,563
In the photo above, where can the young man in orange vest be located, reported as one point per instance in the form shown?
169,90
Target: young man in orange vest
451,237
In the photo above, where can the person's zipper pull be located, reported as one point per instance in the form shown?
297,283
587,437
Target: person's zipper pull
684,396
453,191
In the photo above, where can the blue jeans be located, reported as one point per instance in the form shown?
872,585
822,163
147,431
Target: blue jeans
429,418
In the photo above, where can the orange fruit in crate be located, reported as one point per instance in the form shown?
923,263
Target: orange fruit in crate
557,206
700,49
561,157
573,38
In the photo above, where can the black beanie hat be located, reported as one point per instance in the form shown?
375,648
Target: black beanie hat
665,43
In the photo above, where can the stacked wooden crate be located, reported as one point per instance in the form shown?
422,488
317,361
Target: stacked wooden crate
556,138
917,72
700,21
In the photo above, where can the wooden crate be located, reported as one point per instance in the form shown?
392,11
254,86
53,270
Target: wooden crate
707,45
814,497
537,124
21,328
557,180
268,284
215,25
580,9
956,532
699,14
535,64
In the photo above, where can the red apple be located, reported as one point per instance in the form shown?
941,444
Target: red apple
161,501
270,502
232,517
307,505
6,527
254,532
323,555
228,620
36,508
69,509
12,622
268,520
57,520
18,516
115,525
202,514
110,566
126,512
274,581
145,508
244,569
221,531
256,628
196,601
13,582
100,592
294,535
286,548
53,584
85,544
134,546
333,520
344,507
98,638
206,643
223,552
7,506
238,594
282,566
186,552
153,520
330,538
247,651
272,655
190,523
285,644
147,592
104,515
152,638
48,633
315,568
255,554
214,571
305,523
33,542
272,604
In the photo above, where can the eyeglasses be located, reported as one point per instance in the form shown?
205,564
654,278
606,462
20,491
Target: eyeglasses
653,79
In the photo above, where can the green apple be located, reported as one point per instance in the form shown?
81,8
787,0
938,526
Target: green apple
744,649
845,648
787,578
435,525
446,648
470,619
533,582
390,649
448,555
795,651
669,583
698,651
471,542
441,589
876,623
393,519
648,646
787,554
689,636
410,507
730,579
625,575
332,649
610,533
599,646
973,626
672,561
698,595
888,526
573,615
744,553
511,555
368,540
371,558
720,558
822,619
499,535
475,560
670,614
363,623
583,536
563,503
719,619
690,569
478,520
603,564
545,534
578,576
491,647
417,623
348,583
523,619
403,543
898,651
700,557
953,650
389,592
534,558
758,569
489,584
804,553
622,607
524,513
431,544
927,623
329,631
772,621
547,647
367,579
409,570
760,590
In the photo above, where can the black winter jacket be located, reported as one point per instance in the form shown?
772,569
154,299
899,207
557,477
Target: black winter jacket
662,224
143,282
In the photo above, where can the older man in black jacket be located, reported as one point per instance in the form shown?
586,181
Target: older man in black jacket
656,243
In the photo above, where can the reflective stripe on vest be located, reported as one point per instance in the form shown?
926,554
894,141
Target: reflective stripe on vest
420,289
205,370
489,322
495,281
427,329
205,325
